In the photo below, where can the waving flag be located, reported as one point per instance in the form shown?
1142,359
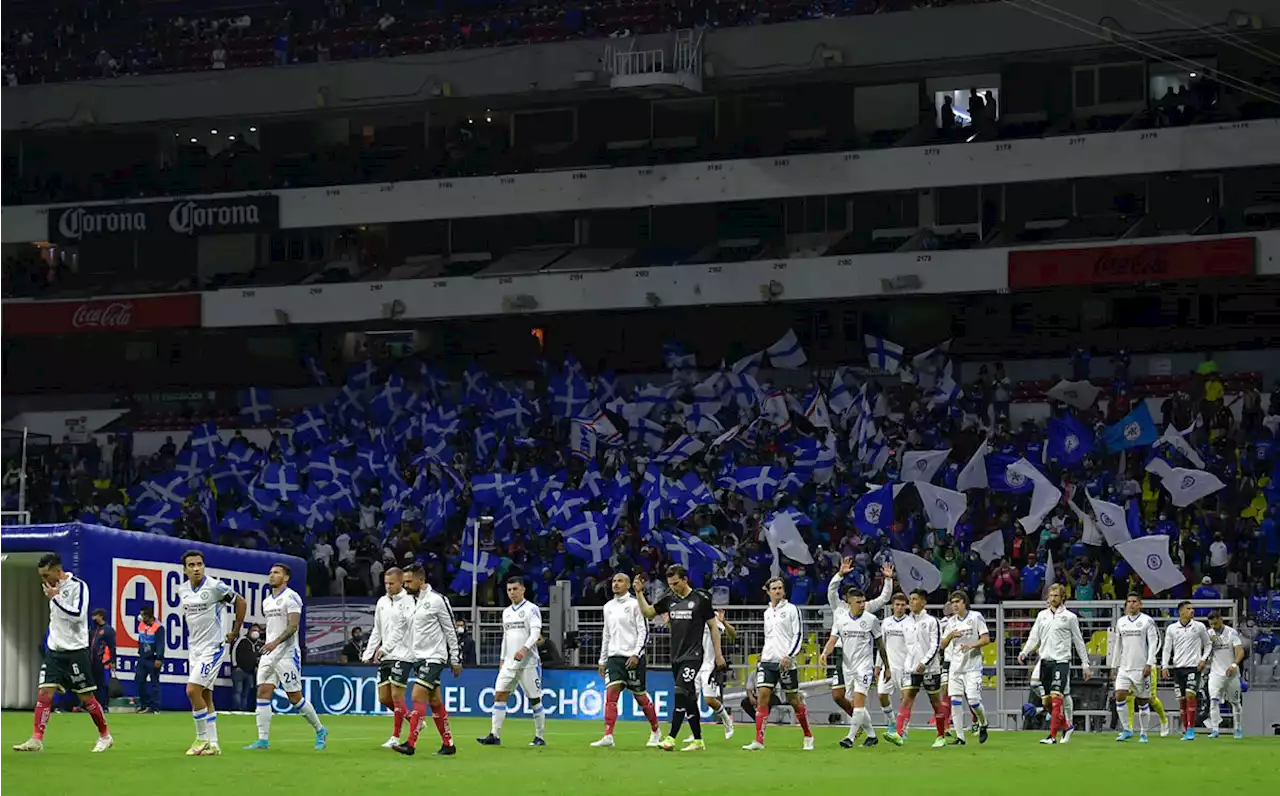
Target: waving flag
974,474
588,538
784,537
883,355
1069,441
158,516
1188,486
1110,519
204,439
255,406
318,377
943,507
1177,440
1149,557
674,357
1076,394
787,353
1044,495
310,428
1136,429
680,450
1002,477
568,394
990,547
915,573
838,397
756,483
482,565
922,465
873,513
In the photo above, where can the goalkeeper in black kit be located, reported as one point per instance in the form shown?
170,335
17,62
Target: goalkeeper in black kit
689,612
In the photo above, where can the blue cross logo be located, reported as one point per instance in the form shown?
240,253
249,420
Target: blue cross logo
134,605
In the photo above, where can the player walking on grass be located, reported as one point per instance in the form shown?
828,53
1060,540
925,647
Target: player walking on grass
965,637
1224,675
202,600
711,680
897,629
1135,652
783,635
433,644
1186,652
280,663
688,611
922,668
859,631
622,665
66,658
836,601
389,648
521,665
1055,632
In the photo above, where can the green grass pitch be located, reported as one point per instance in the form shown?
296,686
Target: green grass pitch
148,758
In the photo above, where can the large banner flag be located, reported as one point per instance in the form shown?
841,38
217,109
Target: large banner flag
915,573
1135,430
1149,557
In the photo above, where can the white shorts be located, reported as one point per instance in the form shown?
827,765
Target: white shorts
203,666
860,680
1035,673
967,685
899,680
283,670
1224,688
1132,681
528,677
709,688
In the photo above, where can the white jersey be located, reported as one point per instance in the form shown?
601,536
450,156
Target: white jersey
839,606
521,626
390,629
1185,646
1054,633
433,637
968,630
897,633
783,633
858,635
202,610
626,631
708,650
923,644
69,616
278,608
1225,645
1137,643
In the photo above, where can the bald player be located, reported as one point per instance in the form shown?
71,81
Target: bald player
622,648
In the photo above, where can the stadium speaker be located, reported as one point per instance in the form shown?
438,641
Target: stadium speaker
772,291
282,317
393,309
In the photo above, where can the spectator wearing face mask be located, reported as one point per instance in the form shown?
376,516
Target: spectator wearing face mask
354,648
244,671
467,644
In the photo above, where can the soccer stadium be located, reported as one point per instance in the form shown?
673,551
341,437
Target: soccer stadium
667,396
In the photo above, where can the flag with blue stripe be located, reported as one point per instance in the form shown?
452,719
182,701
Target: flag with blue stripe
255,406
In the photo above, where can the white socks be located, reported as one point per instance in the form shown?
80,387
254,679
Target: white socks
1122,710
980,712
211,727
959,717
861,720
262,717
199,716
1144,718
539,721
890,718
495,724
1068,709
308,712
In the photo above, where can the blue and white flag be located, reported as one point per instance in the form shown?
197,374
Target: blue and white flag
974,473
915,573
873,513
1076,394
674,357
1185,486
318,377
310,428
205,440
1135,430
1177,440
1003,477
838,397
568,395
483,566
784,537
1110,519
922,465
588,538
787,353
1149,557
255,406
943,507
1069,442
756,483
1044,495
883,355
990,547
278,482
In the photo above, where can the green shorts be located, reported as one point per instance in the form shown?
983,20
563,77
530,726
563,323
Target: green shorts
67,671
427,674
397,673
771,675
616,671
835,668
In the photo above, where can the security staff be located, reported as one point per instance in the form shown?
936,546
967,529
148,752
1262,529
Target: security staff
150,660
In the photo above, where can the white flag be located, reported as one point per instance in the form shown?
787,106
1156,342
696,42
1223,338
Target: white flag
974,474
1048,574
1089,533
1175,439
943,507
1111,521
922,465
1187,486
787,353
1044,495
1149,557
990,547
1078,394
783,535
915,573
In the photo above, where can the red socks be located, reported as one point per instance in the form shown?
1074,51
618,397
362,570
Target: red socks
802,716
650,713
1056,720
400,712
940,719
44,706
904,716
415,727
441,717
1189,713
762,715
610,711
94,709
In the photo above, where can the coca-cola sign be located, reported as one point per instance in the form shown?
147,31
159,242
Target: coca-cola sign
1160,262
101,315
188,217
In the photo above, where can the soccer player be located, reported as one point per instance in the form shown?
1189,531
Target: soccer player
66,658
1135,651
1154,701
622,648
389,647
922,668
1186,652
1055,631
862,638
838,606
688,611
897,629
521,666
1224,675
783,635
201,600
711,680
966,635
433,646
280,662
